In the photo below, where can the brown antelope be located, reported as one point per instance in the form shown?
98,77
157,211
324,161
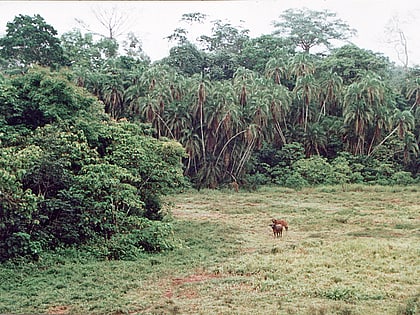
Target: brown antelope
281,222
277,230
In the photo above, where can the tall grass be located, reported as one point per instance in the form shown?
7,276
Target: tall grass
347,252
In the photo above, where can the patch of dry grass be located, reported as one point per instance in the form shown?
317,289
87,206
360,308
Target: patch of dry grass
354,252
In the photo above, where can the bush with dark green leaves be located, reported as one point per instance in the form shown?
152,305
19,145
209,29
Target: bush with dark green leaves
60,187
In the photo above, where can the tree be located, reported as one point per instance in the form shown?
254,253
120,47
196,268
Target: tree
133,47
180,34
350,62
30,40
43,97
358,115
115,22
315,139
81,50
257,52
404,120
331,89
276,69
306,90
307,28
225,37
398,38
186,58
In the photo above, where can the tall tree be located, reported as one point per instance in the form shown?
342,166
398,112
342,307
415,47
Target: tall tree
114,21
331,89
307,28
30,40
351,62
357,116
398,39
225,37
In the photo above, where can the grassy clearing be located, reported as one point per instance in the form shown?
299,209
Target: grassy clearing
352,252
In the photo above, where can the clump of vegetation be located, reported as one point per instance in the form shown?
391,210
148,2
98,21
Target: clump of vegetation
412,306
70,175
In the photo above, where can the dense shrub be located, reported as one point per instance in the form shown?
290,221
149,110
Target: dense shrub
402,178
143,236
60,188
315,170
295,180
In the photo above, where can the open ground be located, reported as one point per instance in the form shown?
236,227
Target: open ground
346,252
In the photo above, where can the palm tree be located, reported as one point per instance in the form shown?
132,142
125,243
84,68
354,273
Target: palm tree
306,90
197,89
151,109
357,116
315,138
276,69
373,89
331,88
192,144
223,112
414,90
301,65
260,105
251,137
364,99
132,96
411,148
381,122
280,102
177,118
404,120
243,80
113,93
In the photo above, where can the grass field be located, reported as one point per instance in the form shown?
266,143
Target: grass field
352,252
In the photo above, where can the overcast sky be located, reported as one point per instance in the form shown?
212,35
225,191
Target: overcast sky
152,21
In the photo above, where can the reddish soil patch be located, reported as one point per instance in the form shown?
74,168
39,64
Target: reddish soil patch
188,293
194,278
59,310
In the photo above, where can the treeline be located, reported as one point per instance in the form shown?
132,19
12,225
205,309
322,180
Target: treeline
91,138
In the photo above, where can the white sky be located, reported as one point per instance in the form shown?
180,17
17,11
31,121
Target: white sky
152,21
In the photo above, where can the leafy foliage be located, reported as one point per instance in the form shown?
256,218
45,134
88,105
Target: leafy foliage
307,28
61,188
30,40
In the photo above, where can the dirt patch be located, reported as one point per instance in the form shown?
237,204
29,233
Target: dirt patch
176,289
195,278
59,310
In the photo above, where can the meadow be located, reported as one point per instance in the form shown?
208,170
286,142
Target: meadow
346,252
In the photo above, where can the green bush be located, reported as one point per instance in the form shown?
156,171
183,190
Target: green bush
315,170
402,178
296,181
412,306
123,247
20,244
60,188
143,236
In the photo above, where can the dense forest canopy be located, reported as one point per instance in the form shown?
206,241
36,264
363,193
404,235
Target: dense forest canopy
91,136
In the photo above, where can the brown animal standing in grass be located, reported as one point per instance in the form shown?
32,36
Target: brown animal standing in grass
281,222
277,230
235,186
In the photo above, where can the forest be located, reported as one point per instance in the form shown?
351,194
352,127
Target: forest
93,134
